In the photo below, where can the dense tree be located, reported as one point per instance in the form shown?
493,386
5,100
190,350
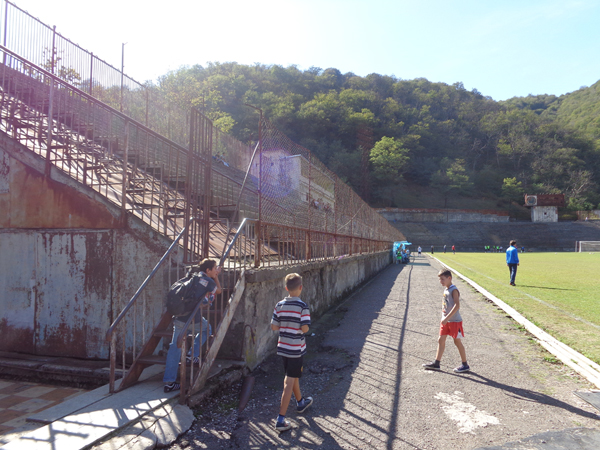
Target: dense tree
428,134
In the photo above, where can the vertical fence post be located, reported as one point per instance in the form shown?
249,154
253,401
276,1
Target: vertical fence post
122,75
258,244
351,236
50,104
188,186
124,180
207,150
91,73
5,30
147,100
113,362
310,203
182,372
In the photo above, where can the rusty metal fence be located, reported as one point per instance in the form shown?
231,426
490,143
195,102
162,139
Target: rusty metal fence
303,210
43,46
135,168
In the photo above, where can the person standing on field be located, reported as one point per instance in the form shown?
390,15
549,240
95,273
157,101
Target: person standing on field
450,324
512,261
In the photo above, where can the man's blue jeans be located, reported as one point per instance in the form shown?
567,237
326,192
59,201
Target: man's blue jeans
513,272
174,353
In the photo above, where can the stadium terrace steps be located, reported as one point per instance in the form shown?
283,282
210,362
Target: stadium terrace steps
559,236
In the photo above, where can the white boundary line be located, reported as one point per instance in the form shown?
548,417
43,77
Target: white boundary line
575,360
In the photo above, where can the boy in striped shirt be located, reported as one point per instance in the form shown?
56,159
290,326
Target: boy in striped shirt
291,318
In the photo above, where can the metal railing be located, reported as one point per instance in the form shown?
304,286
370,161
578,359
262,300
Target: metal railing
44,46
129,164
129,331
129,324
291,187
187,187
143,173
41,44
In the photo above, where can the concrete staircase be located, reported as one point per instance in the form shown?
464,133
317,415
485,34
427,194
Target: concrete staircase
560,236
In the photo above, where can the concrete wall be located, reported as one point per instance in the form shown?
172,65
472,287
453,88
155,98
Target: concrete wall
594,214
61,289
325,284
442,215
68,262
544,214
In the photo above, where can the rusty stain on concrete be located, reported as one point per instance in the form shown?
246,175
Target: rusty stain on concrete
34,201
4,172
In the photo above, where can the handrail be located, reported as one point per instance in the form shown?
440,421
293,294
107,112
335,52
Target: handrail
92,98
199,305
241,226
51,29
146,281
237,206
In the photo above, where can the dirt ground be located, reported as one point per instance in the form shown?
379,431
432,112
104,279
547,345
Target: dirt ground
363,369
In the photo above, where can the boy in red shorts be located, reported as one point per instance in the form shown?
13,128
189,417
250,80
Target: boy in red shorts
450,325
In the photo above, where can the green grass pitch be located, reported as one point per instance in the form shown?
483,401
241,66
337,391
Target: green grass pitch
559,292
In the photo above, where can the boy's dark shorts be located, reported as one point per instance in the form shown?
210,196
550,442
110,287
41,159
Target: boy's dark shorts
293,366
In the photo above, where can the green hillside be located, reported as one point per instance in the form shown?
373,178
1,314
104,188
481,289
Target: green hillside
581,110
427,143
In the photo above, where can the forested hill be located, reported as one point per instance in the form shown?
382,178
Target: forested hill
437,138
579,110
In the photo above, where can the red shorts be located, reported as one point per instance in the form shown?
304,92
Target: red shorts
454,329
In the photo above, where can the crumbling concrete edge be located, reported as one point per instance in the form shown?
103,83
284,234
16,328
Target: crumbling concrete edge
163,426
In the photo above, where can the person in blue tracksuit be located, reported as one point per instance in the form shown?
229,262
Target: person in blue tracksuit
512,261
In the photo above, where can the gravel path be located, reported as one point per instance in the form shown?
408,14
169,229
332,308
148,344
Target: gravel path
363,369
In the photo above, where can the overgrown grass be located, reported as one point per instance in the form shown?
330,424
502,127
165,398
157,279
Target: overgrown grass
560,292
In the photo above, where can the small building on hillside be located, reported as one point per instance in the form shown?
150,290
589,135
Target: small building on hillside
544,207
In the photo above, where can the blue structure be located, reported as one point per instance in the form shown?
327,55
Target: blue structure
400,246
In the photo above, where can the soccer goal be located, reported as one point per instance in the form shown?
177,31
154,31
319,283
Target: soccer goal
587,246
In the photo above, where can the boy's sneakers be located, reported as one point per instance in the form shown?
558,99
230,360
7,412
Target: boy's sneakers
304,404
169,387
432,366
282,426
462,368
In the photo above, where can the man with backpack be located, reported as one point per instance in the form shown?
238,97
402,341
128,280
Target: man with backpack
183,297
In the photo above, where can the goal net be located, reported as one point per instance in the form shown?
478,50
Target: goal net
588,246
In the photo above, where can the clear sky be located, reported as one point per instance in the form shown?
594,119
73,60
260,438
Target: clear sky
502,48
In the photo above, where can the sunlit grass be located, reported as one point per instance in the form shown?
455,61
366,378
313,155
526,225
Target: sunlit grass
560,292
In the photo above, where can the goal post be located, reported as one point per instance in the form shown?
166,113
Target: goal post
587,246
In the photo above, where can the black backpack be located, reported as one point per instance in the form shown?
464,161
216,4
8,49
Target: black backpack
183,295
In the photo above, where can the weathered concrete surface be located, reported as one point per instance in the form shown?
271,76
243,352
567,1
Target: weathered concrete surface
83,373
68,262
442,215
573,439
159,429
370,391
98,414
28,199
61,289
325,283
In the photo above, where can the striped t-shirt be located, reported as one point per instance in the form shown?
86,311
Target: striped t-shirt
290,315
